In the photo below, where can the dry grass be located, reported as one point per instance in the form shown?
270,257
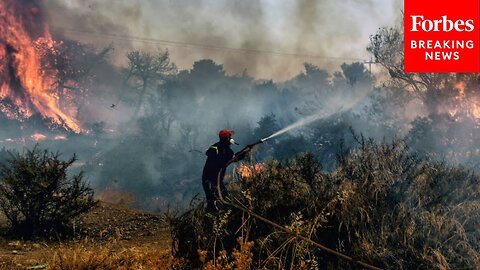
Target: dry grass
238,259
109,257
90,255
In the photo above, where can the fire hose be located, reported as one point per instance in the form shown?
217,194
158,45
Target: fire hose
244,151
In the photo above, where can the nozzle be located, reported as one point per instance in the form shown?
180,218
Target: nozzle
259,142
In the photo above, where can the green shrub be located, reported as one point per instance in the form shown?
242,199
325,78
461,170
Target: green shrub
37,195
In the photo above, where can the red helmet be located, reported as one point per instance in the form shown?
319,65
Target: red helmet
225,134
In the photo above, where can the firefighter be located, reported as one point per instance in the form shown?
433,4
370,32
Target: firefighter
218,156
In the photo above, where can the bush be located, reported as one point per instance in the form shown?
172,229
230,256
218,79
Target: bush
381,205
37,195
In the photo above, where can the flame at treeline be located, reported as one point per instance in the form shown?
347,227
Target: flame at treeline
248,171
27,85
470,104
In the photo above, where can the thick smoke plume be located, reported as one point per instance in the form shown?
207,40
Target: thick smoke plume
335,31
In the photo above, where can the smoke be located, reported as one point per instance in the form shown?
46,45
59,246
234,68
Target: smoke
336,31
158,154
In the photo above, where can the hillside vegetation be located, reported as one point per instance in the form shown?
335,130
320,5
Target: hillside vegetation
382,205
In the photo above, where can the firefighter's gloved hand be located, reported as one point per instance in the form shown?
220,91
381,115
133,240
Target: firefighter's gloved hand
239,156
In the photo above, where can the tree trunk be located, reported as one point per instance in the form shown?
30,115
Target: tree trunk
140,99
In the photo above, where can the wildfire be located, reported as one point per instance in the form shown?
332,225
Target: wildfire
38,137
24,83
460,86
470,105
248,171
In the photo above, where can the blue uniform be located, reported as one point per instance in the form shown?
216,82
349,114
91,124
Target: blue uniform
218,155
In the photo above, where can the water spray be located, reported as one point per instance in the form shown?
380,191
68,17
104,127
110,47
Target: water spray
295,125
300,123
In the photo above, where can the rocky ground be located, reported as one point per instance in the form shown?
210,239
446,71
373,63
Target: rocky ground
107,228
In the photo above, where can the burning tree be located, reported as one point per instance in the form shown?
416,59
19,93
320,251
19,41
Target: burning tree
452,102
440,92
38,73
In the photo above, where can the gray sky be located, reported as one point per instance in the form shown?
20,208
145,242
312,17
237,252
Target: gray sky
328,28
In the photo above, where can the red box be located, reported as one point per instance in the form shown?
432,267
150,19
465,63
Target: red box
442,36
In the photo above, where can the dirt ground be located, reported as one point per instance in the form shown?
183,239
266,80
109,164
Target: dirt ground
115,227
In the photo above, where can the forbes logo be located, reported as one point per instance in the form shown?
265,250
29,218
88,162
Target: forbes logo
441,25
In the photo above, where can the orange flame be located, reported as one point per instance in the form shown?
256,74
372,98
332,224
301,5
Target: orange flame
23,81
467,104
248,171
461,87
38,137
